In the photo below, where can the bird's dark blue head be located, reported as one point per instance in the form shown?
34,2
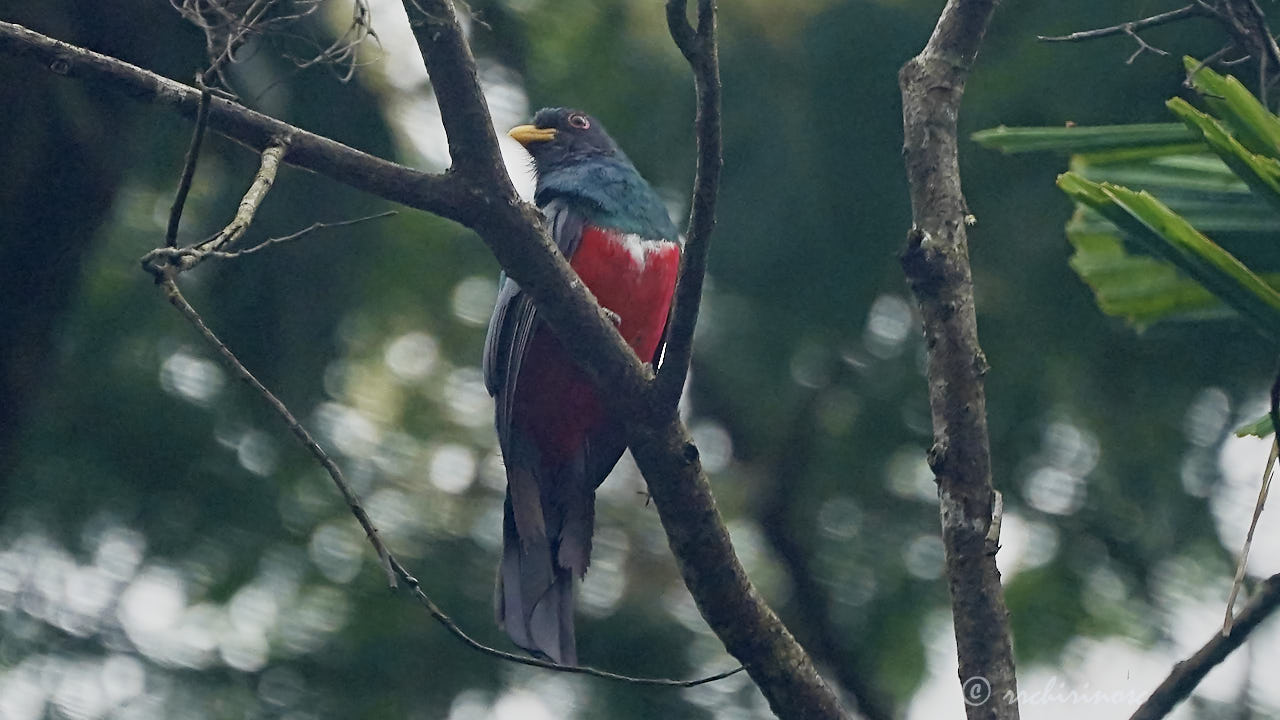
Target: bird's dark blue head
558,137
578,163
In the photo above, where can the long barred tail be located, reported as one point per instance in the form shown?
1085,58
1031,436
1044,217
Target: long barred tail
534,600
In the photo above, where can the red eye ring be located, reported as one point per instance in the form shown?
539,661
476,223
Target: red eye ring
579,121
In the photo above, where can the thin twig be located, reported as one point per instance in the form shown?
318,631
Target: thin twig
188,166
299,234
395,571
513,230
1274,413
232,363
459,633
1211,59
1143,46
184,259
1131,27
699,47
1238,581
253,197
1187,674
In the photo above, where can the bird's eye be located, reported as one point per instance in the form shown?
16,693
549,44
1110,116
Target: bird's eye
579,121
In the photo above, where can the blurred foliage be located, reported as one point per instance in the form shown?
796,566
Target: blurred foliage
167,551
1218,171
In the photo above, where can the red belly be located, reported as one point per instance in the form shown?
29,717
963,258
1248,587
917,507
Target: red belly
555,400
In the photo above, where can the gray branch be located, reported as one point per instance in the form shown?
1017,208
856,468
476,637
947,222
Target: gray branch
1187,674
477,193
936,262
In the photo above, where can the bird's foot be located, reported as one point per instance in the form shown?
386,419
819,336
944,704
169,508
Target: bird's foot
611,316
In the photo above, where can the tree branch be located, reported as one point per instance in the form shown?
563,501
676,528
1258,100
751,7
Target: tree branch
660,442
512,230
473,146
166,264
166,276
1187,674
701,50
1243,21
253,197
433,193
1247,25
936,262
188,167
1131,27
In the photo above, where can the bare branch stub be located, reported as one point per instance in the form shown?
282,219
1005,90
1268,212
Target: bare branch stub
936,263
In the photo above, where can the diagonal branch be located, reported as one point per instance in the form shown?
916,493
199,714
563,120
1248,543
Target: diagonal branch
700,49
248,207
511,229
659,441
513,232
1187,674
318,225
936,262
473,146
166,275
188,167
436,194
166,264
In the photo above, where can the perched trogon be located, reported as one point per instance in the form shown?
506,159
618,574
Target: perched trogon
558,438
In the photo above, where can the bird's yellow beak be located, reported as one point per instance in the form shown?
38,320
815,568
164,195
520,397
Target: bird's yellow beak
528,134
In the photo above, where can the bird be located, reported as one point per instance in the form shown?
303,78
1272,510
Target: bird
558,438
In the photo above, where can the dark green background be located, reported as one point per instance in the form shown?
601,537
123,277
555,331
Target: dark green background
161,532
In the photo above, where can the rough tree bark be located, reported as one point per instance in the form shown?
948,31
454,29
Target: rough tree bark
936,262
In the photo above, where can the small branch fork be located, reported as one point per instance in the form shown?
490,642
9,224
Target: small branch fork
1133,26
1243,21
